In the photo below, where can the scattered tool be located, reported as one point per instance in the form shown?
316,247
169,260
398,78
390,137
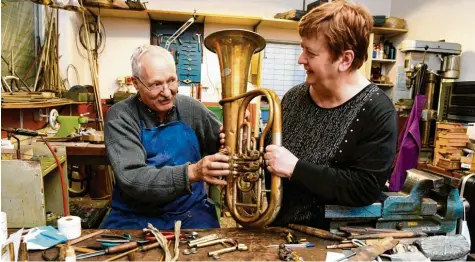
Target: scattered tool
109,250
188,68
204,239
393,235
188,75
190,59
239,247
316,232
77,240
295,245
199,42
168,236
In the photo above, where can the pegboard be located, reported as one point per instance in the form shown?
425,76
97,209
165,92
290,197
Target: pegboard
186,49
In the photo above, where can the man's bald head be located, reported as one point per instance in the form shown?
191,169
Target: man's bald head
157,52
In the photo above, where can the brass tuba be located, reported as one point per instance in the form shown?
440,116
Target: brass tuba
246,195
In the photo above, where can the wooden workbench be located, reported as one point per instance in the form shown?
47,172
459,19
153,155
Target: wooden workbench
255,239
84,153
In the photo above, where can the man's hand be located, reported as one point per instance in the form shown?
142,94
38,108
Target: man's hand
222,137
209,168
280,161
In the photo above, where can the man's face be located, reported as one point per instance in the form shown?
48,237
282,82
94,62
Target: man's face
157,84
317,61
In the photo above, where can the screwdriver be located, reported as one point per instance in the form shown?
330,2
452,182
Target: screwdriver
109,250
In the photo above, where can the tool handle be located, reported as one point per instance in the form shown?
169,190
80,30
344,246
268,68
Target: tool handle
150,246
77,240
121,248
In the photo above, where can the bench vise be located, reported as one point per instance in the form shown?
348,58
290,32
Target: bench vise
428,203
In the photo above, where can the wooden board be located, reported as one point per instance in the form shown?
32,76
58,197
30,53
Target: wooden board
255,239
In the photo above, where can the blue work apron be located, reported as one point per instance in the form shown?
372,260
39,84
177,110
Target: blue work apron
171,144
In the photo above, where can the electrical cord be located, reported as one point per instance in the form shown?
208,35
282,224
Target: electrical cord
63,183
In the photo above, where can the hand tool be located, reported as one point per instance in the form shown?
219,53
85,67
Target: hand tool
79,249
187,81
367,230
190,59
199,41
295,245
393,235
187,75
316,232
77,240
215,254
177,55
229,241
203,239
109,250
188,51
167,235
110,240
188,68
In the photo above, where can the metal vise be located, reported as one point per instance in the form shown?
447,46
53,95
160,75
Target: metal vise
428,203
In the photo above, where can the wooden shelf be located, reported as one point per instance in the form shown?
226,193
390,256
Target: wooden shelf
388,32
48,164
175,16
279,23
39,104
384,60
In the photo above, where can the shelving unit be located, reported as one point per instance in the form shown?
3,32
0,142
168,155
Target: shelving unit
385,64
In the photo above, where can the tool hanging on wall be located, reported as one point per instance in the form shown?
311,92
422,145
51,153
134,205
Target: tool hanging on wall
181,30
97,31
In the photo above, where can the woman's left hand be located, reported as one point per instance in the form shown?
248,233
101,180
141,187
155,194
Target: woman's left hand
280,161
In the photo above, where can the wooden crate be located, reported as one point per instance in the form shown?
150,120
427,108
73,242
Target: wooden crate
30,188
450,139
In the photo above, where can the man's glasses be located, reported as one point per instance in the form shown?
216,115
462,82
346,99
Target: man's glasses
156,87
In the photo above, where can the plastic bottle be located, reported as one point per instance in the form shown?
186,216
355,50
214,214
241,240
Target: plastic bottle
392,52
386,49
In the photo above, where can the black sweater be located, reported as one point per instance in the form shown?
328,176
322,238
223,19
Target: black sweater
345,153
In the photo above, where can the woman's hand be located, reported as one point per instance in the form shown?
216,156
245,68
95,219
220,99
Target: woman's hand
280,161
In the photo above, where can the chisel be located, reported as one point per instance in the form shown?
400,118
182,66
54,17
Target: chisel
109,250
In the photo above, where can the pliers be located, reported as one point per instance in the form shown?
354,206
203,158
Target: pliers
168,236
110,240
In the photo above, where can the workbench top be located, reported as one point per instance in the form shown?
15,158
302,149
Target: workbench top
255,239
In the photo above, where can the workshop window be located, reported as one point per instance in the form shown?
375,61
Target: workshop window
280,69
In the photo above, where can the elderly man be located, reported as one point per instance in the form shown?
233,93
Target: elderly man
339,130
155,142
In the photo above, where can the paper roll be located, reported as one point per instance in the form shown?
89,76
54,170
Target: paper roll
70,226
